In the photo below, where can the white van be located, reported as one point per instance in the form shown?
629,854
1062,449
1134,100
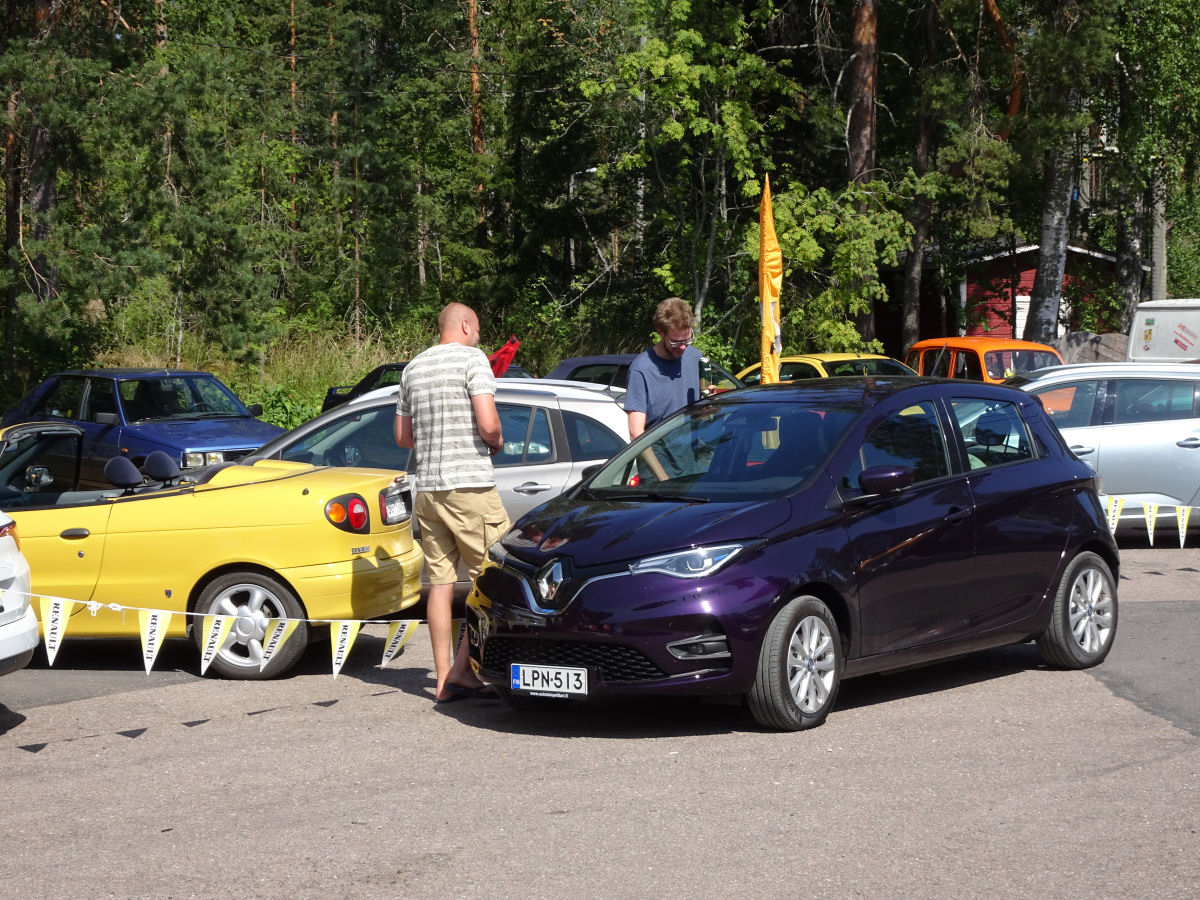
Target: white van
1165,331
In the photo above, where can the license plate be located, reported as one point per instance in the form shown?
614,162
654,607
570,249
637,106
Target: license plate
548,680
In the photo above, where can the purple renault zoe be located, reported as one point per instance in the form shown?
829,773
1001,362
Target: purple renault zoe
769,542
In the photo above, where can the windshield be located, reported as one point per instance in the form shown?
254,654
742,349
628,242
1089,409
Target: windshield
726,452
177,397
1006,363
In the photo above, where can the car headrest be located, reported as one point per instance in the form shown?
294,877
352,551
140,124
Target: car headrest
121,472
159,466
992,430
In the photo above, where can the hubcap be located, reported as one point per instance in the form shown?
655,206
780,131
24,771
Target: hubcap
1091,611
252,606
812,664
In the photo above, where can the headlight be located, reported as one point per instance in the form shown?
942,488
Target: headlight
497,553
695,563
195,458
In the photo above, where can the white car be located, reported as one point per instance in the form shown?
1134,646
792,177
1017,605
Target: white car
1136,424
18,623
553,432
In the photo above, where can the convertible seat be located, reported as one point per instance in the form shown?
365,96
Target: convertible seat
159,466
121,472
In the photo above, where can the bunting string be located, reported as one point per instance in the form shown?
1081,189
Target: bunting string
1117,507
153,625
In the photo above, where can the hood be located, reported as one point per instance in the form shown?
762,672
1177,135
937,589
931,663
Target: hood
594,532
230,433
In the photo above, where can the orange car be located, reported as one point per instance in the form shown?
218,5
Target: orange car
979,358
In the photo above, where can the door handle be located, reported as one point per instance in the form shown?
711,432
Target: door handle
75,534
958,514
531,487
1189,443
1080,450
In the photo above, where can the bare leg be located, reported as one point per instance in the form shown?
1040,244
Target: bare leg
439,614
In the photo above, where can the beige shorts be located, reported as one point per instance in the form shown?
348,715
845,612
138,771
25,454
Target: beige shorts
459,524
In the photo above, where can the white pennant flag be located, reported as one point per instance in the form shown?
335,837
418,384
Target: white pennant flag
54,624
1181,516
277,632
1151,512
154,624
216,629
398,634
342,635
1115,505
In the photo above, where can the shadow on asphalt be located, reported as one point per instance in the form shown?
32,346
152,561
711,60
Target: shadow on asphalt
9,719
685,716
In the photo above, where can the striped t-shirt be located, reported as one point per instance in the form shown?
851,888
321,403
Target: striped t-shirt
435,391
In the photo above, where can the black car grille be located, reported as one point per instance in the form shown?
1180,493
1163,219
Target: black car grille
615,662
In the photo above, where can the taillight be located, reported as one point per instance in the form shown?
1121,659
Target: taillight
349,513
10,530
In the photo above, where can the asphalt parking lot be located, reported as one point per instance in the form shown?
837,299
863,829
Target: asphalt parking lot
990,775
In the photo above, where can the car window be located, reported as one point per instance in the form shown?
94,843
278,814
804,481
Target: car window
937,362
912,437
866,367
63,400
792,371
1069,405
1153,400
527,437
101,399
589,439
601,373
993,431
966,365
34,472
365,439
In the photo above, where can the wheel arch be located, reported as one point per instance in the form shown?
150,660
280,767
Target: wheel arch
836,603
229,568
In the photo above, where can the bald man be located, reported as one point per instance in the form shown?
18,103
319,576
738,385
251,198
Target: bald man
446,411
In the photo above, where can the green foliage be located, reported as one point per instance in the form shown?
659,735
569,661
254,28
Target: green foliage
287,194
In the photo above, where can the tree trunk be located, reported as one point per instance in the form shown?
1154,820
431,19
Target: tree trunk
1158,245
12,233
860,126
1130,221
1046,298
922,208
864,66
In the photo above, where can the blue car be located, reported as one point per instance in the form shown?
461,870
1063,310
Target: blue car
191,416
765,544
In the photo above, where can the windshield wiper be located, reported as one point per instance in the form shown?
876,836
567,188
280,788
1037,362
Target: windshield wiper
658,496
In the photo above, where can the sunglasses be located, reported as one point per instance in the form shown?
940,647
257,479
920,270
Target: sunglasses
675,345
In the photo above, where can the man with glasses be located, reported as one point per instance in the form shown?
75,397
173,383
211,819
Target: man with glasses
664,378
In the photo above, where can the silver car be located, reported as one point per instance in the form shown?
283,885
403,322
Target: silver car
552,432
1136,424
18,623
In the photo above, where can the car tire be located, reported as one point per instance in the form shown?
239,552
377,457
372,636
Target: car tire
253,597
1083,621
799,667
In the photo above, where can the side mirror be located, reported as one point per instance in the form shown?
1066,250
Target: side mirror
38,477
255,409
883,480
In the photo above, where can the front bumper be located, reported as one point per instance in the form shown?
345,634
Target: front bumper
635,634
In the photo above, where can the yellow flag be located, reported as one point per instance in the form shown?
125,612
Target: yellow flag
770,282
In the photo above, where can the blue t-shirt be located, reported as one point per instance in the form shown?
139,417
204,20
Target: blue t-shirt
660,386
